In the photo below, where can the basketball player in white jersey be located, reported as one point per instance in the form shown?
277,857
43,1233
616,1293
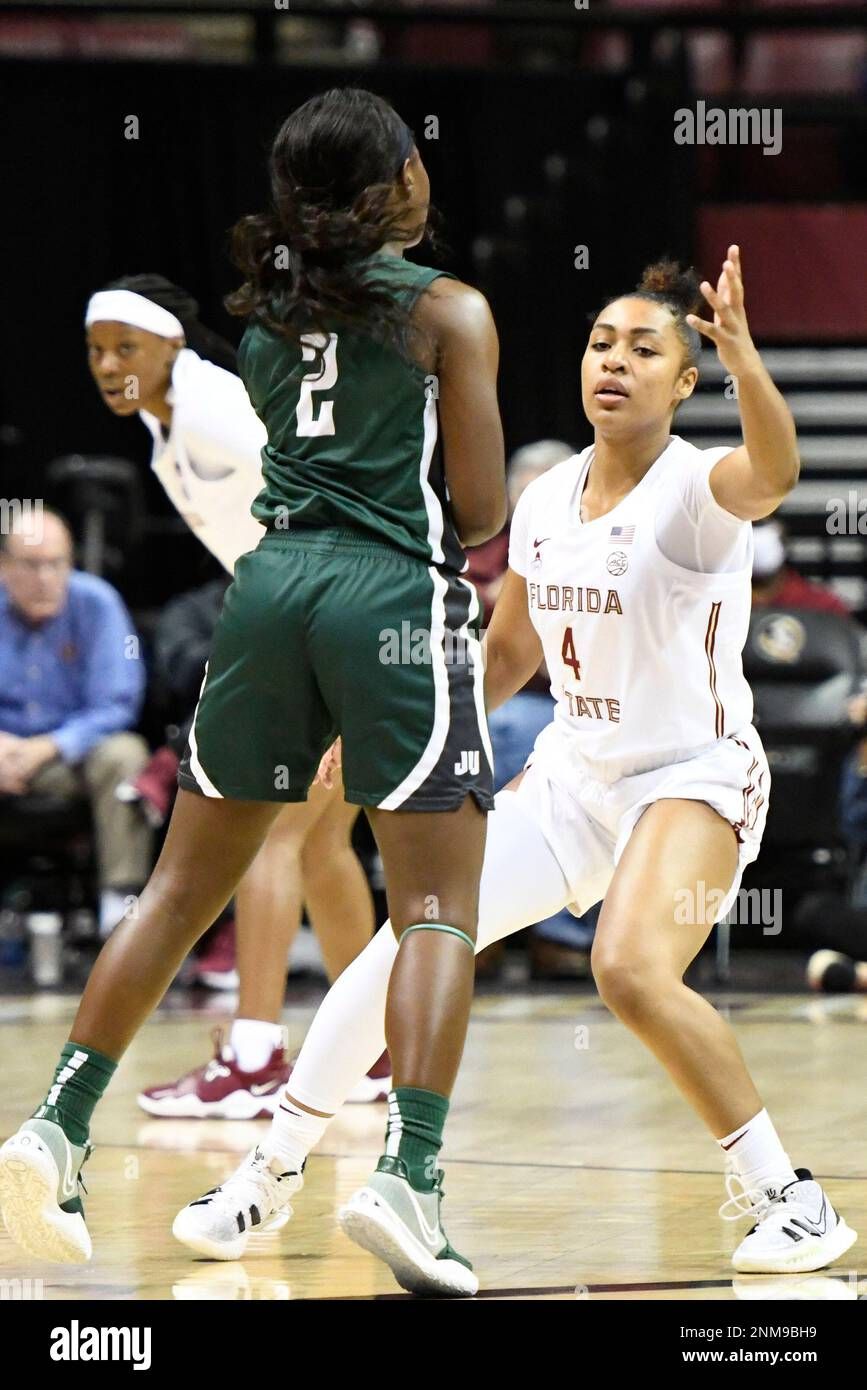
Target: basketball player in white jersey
630,570
142,336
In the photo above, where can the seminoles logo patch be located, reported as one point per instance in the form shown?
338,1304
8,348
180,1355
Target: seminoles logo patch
781,638
617,562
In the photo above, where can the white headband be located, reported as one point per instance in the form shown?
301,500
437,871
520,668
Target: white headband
123,306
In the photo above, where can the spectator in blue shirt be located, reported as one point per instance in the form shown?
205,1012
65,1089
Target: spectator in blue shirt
71,687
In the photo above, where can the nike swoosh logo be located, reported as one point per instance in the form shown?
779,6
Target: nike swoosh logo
536,544
430,1233
261,1088
68,1186
736,1138
215,1069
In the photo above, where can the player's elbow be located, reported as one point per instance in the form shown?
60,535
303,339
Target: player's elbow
774,495
470,536
479,523
794,473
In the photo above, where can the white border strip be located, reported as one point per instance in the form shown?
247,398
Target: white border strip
475,648
442,702
202,779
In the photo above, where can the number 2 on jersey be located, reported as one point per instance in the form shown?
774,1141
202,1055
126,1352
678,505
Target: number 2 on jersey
568,654
323,423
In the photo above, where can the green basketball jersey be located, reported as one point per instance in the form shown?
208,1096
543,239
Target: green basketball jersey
358,444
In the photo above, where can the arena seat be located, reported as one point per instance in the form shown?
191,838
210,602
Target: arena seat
103,500
443,43
803,667
47,853
805,63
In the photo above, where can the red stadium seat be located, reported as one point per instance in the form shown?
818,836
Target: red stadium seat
805,267
802,63
446,43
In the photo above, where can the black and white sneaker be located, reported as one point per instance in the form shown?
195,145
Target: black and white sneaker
796,1230
255,1199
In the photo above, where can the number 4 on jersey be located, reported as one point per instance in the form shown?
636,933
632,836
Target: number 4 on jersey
568,654
323,423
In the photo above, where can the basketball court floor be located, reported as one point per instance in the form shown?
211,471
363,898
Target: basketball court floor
573,1169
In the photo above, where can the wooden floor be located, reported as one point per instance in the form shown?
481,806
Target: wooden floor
571,1171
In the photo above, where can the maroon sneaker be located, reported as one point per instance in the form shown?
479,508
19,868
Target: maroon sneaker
220,1090
375,1085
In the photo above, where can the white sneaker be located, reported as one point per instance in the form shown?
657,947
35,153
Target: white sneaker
253,1200
40,1176
796,1231
403,1228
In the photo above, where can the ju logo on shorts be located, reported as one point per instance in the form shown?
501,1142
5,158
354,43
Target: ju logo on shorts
469,763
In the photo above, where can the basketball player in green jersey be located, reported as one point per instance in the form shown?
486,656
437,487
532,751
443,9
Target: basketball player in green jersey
349,618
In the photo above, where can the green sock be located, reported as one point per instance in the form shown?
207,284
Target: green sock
415,1132
80,1079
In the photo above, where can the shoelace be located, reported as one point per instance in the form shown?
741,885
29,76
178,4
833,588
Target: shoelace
88,1152
243,1183
744,1202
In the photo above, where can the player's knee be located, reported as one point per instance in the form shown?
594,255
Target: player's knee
415,910
626,986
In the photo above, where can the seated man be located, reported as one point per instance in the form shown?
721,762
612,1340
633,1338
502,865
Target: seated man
71,684
777,584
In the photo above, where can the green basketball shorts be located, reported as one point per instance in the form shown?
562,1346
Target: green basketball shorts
327,632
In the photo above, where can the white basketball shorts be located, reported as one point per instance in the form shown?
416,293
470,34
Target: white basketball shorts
587,822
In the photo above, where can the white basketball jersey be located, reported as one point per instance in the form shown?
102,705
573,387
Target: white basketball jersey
644,656
211,464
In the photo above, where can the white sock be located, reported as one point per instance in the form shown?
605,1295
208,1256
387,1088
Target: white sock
521,883
757,1155
253,1041
293,1134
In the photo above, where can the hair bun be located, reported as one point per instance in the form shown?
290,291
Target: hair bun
677,283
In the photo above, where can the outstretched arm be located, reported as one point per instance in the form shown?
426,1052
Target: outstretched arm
752,480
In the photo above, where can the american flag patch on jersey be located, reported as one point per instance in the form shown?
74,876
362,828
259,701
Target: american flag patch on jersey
623,534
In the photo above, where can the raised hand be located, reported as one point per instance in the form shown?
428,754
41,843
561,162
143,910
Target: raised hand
729,331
